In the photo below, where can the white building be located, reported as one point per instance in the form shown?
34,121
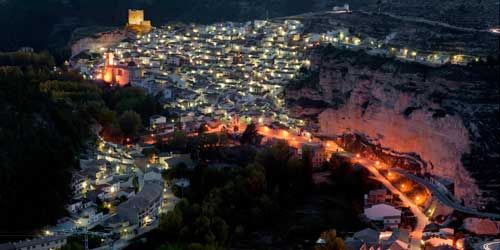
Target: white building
144,207
389,215
157,121
43,243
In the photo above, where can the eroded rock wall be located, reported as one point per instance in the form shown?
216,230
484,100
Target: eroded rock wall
440,114
95,42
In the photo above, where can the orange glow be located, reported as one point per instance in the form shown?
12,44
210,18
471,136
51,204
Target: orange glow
358,156
108,76
285,133
391,176
377,163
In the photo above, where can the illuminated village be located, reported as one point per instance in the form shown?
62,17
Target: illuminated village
225,77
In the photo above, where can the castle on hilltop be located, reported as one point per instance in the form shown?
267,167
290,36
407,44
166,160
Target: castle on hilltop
137,23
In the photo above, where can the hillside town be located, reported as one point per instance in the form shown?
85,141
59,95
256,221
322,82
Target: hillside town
219,72
227,76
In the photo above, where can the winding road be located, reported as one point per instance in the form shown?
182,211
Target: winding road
422,220
444,196
493,245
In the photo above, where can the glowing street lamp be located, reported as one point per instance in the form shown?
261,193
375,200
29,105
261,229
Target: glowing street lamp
285,133
358,156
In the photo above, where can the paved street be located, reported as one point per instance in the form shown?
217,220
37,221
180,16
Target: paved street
422,220
444,197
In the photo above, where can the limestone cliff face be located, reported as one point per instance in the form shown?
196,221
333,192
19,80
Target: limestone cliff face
444,115
97,41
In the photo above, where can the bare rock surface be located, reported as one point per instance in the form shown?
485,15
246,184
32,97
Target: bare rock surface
448,116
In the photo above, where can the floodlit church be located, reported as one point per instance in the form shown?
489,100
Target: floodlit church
118,73
137,23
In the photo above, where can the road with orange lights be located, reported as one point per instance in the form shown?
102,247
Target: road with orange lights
422,220
296,140
444,196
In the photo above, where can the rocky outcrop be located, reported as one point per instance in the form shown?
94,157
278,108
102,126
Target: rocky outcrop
446,116
482,226
100,40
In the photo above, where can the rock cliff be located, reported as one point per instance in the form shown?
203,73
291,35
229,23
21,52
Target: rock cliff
446,116
94,42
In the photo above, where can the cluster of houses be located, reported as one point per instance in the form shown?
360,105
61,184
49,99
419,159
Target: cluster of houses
207,73
119,189
392,224
42,243
210,72
118,193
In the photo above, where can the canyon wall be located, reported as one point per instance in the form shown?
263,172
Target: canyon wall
448,115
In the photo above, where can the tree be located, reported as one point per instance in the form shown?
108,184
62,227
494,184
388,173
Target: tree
171,223
176,246
41,139
179,140
72,245
130,123
202,129
202,232
250,134
275,162
331,241
220,229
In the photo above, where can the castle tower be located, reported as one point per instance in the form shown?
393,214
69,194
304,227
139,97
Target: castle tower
137,23
135,17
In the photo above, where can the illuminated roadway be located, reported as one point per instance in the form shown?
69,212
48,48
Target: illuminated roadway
296,140
493,245
443,196
422,220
